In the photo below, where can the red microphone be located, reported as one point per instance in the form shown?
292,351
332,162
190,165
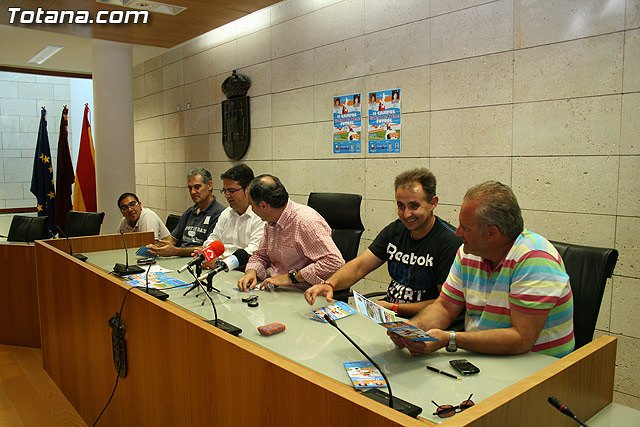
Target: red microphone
214,250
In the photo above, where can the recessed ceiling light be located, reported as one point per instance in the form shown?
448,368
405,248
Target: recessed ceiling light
45,54
151,6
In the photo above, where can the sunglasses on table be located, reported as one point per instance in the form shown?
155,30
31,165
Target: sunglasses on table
445,411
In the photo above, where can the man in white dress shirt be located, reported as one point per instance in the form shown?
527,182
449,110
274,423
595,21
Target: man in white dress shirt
237,227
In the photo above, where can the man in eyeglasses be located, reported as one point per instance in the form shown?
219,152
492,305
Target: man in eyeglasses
138,218
238,227
197,222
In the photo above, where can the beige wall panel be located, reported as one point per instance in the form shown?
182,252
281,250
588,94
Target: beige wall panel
292,107
567,184
584,67
628,242
549,21
254,48
630,138
481,131
396,52
584,126
292,36
472,32
172,75
342,60
485,80
340,21
292,71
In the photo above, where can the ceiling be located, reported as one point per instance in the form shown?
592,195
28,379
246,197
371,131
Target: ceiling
18,43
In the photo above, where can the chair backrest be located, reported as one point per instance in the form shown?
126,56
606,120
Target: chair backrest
588,268
172,221
342,213
83,223
28,228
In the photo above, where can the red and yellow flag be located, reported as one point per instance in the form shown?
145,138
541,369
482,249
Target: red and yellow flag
84,188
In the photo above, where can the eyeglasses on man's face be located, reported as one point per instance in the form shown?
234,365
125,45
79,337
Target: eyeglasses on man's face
129,205
230,191
445,411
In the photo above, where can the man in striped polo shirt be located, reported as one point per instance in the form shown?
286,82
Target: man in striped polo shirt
511,281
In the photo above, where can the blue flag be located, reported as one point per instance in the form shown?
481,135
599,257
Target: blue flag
42,179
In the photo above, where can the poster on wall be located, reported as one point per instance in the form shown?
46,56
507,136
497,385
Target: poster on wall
347,124
384,121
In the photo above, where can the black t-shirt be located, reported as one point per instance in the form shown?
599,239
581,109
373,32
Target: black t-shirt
193,229
416,267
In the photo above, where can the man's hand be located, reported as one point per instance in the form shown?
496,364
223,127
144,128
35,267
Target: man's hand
275,281
248,281
163,248
319,289
417,348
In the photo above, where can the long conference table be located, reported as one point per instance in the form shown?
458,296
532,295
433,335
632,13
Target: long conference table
184,371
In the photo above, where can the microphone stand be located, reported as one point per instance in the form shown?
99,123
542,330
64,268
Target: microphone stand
377,394
218,323
209,287
156,293
198,265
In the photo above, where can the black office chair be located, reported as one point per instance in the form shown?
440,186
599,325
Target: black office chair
588,268
83,223
28,228
342,213
172,221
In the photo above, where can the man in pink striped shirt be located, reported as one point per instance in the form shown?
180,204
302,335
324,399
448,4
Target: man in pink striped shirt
297,246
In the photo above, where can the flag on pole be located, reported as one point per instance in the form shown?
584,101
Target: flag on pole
84,189
42,178
64,173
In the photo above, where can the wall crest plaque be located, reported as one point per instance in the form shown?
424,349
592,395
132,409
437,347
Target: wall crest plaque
236,128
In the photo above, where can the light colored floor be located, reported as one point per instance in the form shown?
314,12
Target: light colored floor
28,397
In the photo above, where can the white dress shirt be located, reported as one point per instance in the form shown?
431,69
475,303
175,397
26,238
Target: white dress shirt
237,231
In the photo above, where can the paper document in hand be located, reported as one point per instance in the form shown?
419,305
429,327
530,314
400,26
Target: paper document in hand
364,375
372,310
336,311
406,330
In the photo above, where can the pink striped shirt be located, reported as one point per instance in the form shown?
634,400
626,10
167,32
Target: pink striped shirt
301,240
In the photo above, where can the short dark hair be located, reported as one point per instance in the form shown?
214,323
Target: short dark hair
205,174
498,206
241,173
268,188
125,195
422,176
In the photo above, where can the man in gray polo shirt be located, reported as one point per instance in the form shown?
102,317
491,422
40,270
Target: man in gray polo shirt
197,222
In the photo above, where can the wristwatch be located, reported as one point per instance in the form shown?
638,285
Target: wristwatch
452,346
292,275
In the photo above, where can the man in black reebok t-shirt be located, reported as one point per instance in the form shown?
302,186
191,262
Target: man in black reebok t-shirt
418,247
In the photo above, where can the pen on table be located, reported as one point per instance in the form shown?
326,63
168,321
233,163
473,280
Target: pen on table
431,368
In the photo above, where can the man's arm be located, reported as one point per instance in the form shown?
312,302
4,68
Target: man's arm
517,339
346,276
167,247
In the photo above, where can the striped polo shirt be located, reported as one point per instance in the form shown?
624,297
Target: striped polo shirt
530,279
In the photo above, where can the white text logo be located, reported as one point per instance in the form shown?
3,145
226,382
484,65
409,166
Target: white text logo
41,16
409,259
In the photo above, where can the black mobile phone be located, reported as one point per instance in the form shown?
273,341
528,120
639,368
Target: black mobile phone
464,366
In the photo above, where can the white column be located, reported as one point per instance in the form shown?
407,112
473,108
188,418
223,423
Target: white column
113,126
